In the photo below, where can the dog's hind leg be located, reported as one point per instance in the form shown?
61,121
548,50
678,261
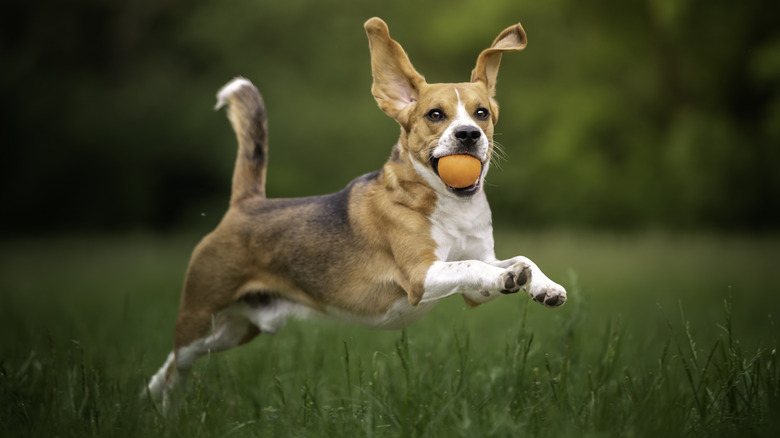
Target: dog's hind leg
236,325
159,382
208,319
229,329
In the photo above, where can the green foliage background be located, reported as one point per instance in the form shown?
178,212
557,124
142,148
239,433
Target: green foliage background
620,114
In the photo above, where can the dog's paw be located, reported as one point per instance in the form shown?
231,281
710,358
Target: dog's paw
514,278
547,293
539,287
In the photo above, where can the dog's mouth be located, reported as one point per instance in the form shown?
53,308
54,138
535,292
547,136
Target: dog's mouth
464,191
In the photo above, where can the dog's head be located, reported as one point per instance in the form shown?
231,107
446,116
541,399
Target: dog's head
439,119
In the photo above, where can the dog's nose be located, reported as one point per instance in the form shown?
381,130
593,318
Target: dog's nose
467,135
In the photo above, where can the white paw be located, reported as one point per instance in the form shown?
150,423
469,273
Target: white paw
547,292
526,276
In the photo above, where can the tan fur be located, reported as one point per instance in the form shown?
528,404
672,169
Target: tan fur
390,250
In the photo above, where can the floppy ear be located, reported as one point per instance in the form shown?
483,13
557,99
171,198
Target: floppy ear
396,82
511,39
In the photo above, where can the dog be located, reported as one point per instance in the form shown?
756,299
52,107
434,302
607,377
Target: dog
382,251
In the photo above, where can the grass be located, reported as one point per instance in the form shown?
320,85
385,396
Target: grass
662,335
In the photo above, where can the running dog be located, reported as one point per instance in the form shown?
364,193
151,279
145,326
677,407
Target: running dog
382,251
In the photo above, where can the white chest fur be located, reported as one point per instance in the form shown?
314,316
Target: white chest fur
463,229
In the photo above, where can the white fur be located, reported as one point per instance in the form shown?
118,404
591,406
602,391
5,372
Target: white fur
462,228
224,93
270,319
157,382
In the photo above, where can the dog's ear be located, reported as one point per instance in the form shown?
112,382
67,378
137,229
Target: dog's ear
511,39
396,83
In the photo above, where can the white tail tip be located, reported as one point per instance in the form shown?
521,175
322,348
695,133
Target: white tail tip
224,93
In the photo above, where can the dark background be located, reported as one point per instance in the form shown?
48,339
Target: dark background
619,114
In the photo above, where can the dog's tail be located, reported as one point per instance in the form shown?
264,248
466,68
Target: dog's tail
247,114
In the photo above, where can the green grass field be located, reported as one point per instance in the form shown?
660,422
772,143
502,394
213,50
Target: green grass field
666,335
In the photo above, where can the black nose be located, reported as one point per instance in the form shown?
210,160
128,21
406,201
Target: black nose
467,135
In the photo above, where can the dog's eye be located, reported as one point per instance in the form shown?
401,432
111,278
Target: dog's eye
435,115
482,113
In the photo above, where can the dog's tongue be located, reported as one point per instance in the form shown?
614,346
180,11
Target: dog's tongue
459,171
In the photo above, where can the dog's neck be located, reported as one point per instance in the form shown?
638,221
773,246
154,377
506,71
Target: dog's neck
404,184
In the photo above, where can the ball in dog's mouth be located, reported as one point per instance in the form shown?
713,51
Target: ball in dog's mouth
459,172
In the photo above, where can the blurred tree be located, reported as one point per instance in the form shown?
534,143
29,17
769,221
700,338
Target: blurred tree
619,114
652,113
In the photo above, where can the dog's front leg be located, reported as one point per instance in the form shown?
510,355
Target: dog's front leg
477,281
480,282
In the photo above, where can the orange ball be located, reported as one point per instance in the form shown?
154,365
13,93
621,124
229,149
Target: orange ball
459,171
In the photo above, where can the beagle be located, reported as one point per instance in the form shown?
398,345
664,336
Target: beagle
382,251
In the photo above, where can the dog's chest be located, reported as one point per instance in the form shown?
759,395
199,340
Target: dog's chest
462,230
